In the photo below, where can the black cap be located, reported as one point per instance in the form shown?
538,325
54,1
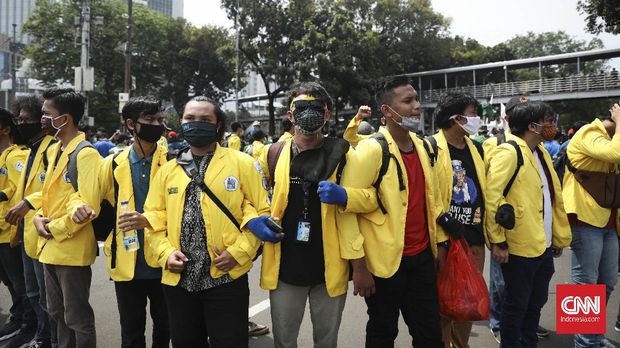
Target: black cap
514,101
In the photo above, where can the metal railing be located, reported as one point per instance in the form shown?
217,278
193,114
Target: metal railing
576,83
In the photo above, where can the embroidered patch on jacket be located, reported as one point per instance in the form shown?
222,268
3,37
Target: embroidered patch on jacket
231,183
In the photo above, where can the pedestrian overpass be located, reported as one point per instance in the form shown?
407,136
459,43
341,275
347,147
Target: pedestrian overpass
433,84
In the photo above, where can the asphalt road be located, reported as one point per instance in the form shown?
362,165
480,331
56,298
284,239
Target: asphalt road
354,317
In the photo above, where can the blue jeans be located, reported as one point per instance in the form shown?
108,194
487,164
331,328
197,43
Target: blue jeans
594,261
527,290
35,290
496,290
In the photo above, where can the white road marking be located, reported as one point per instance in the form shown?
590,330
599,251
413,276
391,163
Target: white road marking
259,307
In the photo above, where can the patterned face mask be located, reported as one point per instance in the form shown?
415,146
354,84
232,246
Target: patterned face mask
309,114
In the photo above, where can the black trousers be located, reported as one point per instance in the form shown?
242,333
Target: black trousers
527,290
217,317
412,291
131,297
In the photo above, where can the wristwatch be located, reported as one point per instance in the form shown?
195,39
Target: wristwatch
444,244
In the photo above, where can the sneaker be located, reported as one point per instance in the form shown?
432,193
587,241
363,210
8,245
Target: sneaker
10,329
541,332
617,327
257,329
607,344
39,343
23,338
496,335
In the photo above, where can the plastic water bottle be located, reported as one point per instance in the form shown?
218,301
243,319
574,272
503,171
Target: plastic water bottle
130,238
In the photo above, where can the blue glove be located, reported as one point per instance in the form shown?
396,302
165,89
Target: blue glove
262,231
331,193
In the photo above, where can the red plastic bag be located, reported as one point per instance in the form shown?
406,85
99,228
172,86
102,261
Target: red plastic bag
463,293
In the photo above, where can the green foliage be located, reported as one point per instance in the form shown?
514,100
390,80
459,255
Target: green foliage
171,58
601,15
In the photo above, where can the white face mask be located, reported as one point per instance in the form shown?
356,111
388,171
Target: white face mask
52,119
411,124
472,126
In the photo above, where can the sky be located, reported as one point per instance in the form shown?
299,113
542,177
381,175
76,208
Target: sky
488,21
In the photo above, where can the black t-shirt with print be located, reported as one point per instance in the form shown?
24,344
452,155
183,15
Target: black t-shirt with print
467,204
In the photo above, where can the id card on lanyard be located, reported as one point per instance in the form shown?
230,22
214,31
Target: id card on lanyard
304,226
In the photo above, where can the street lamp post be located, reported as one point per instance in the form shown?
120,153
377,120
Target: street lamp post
127,87
13,49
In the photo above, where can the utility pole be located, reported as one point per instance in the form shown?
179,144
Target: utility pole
237,64
84,74
13,65
127,87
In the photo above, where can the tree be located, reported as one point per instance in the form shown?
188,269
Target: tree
550,43
601,15
171,58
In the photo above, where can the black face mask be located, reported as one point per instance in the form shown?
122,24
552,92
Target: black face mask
199,134
150,132
28,130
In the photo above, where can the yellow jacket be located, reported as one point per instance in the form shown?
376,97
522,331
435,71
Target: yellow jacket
257,149
71,244
377,236
30,189
445,172
591,148
234,142
237,181
350,133
12,164
125,261
336,267
284,137
491,143
528,237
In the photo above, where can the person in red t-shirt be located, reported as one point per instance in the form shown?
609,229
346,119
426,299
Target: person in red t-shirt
393,249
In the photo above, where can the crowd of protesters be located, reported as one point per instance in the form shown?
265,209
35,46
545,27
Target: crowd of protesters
184,217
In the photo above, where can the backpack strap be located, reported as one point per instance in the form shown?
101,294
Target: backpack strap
45,160
113,247
385,163
519,164
187,163
273,154
432,155
479,148
341,164
72,170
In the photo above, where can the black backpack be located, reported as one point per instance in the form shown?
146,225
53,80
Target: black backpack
105,222
386,155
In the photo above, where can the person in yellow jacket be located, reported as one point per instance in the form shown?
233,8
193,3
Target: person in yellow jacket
288,129
234,141
125,179
532,226
305,261
393,249
67,249
493,142
594,147
462,180
28,111
21,325
197,215
358,129
258,144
